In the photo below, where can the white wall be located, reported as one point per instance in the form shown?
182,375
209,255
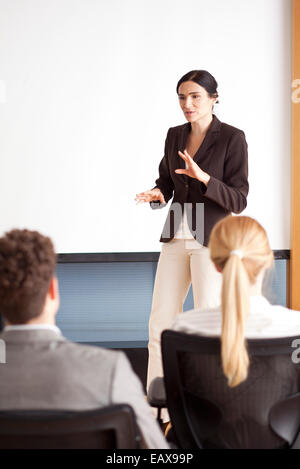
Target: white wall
88,94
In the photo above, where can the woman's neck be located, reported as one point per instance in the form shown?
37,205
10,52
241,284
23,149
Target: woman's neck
201,126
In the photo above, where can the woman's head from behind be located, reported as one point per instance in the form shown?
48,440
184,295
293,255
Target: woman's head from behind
240,249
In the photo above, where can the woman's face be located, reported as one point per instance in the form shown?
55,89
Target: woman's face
195,101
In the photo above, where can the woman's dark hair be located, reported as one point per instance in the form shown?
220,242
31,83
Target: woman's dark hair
202,78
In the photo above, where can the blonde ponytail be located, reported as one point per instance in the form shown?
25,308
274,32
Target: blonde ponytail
231,237
235,308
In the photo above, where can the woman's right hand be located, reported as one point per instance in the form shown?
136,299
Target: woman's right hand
150,196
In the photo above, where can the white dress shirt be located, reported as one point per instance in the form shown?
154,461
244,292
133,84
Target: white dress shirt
264,320
183,231
32,327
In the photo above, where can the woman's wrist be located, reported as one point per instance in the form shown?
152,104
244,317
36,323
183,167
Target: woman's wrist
205,178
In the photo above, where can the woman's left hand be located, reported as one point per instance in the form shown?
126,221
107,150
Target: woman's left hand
193,169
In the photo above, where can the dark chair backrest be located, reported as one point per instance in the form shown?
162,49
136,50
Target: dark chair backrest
112,427
206,412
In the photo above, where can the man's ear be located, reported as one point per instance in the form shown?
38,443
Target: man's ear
53,288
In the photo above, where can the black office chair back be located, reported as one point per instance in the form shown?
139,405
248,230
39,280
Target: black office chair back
112,427
206,412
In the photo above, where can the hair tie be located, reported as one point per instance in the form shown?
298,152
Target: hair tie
237,252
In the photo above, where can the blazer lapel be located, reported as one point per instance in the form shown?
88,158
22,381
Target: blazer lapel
182,143
181,147
210,139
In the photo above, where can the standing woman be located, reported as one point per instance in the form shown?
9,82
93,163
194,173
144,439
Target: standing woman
205,169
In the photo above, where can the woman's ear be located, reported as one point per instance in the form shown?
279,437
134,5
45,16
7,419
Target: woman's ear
218,268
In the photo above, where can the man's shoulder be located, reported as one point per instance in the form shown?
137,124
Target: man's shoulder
88,361
87,356
89,351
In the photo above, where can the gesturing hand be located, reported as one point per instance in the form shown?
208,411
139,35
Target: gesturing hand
150,196
193,169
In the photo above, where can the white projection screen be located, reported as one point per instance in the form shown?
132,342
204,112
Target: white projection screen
88,92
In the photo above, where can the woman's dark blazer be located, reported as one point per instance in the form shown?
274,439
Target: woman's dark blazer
224,156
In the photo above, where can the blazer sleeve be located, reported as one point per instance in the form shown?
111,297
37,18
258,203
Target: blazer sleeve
164,182
231,193
127,388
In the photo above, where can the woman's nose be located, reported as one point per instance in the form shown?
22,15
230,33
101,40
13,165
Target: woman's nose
187,102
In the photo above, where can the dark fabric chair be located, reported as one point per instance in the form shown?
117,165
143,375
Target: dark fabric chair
262,412
112,427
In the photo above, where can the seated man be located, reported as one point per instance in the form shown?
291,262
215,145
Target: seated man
43,370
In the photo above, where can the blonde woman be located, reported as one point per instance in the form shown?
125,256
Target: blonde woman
240,250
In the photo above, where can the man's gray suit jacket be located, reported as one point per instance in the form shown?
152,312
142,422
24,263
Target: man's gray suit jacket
44,370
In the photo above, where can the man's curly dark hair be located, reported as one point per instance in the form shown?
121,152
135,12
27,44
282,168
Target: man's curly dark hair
27,265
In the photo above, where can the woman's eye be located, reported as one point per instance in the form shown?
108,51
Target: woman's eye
195,96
